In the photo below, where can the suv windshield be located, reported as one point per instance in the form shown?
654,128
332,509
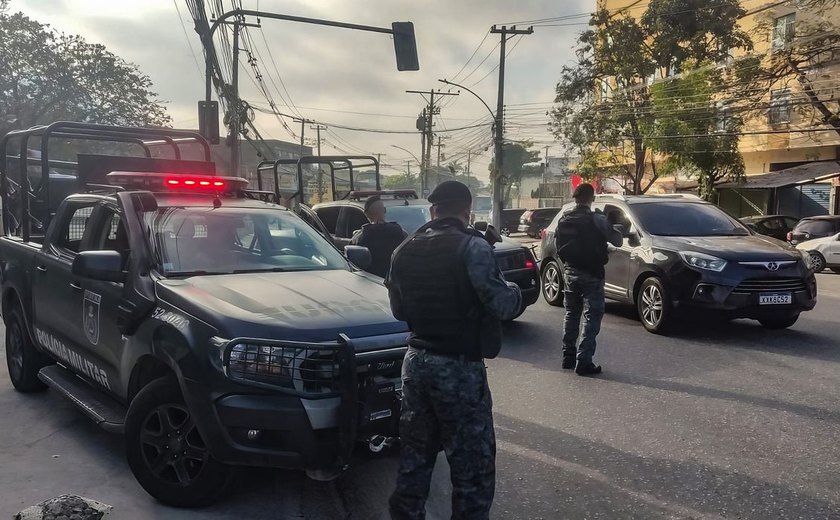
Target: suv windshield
411,217
674,219
234,240
815,227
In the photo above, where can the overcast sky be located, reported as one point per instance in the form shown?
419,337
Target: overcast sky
328,72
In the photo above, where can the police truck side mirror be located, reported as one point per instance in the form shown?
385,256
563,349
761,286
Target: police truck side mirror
358,256
105,266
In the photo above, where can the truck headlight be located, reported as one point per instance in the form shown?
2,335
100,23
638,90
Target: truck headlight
703,261
262,363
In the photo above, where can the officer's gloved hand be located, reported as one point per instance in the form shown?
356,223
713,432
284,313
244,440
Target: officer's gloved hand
492,236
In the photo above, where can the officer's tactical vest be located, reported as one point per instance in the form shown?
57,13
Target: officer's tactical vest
580,244
440,305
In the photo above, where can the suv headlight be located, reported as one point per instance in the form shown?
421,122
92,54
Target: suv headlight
262,363
703,261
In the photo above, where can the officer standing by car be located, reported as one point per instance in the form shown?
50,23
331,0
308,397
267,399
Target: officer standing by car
446,284
582,237
379,236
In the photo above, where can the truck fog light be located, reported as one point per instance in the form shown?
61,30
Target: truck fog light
253,435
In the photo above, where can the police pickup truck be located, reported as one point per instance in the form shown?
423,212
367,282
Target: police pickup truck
208,325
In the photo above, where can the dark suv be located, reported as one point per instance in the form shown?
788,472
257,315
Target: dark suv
683,252
343,218
534,221
811,228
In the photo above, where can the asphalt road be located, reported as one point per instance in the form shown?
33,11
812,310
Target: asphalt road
725,420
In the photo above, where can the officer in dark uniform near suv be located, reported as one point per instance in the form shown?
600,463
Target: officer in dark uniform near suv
582,236
446,284
379,236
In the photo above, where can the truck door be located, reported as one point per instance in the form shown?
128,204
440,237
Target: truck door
57,295
98,331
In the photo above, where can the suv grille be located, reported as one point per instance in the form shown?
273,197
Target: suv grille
771,285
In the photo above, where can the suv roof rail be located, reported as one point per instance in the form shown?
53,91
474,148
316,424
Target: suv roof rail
676,196
397,194
618,196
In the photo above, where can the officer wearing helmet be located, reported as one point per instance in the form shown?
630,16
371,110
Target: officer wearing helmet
446,284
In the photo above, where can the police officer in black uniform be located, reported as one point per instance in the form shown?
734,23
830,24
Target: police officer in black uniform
446,284
379,236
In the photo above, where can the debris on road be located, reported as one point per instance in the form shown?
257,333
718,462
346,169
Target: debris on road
65,507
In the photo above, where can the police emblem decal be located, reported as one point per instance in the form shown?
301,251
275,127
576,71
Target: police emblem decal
90,316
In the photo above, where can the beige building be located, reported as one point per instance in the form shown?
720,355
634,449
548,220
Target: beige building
779,134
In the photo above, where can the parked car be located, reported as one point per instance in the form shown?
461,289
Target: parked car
776,226
822,252
534,221
343,218
510,220
686,253
811,228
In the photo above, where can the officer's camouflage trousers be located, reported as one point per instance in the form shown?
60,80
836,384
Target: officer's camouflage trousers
446,403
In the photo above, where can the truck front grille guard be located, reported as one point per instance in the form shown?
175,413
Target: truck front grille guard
260,359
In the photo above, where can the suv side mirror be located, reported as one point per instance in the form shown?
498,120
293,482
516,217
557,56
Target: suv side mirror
105,266
480,225
358,256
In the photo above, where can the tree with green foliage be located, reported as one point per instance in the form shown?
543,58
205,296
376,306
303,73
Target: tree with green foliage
604,107
694,131
47,76
514,159
803,56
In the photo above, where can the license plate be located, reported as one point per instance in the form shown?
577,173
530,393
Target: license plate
775,299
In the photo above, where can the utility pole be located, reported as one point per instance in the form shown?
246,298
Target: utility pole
544,176
439,146
320,177
506,33
469,155
428,135
235,129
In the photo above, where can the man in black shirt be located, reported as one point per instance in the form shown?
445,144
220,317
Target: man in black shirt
379,236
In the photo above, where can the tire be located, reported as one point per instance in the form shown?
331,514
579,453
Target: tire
835,270
653,303
506,231
166,452
816,261
552,284
22,359
779,322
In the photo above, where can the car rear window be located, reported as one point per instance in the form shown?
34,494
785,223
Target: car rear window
815,227
676,219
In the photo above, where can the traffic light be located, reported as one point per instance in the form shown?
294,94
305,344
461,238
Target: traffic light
405,46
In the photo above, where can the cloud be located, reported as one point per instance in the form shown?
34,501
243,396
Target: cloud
337,69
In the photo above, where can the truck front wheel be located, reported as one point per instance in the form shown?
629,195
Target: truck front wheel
165,450
22,359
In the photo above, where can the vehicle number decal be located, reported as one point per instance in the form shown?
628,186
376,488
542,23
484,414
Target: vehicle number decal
90,316
83,366
382,414
172,318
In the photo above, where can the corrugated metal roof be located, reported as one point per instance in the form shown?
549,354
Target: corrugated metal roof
805,174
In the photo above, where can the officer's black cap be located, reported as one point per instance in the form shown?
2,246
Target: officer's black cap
451,191
584,192
371,201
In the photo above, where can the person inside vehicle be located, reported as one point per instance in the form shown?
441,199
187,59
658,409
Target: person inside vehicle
379,236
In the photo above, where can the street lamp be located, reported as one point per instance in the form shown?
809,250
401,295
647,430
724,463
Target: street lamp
497,123
411,154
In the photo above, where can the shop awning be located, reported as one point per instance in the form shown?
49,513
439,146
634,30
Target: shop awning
805,174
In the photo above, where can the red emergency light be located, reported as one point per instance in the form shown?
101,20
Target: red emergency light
157,181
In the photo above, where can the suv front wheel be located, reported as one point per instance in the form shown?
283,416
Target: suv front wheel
653,304
779,322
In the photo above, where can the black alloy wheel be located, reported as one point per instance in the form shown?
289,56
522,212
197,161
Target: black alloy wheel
22,359
167,453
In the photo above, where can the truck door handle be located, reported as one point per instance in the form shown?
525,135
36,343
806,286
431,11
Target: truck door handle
41,268
75,286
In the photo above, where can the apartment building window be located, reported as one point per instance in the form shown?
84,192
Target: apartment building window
722,120
780,106
783,28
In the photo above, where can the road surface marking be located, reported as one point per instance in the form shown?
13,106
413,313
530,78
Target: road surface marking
600,477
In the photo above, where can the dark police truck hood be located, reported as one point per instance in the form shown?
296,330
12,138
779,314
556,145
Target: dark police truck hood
734,248
295,306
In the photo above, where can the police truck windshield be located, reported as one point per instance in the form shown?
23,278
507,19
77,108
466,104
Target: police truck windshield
410,218
201,241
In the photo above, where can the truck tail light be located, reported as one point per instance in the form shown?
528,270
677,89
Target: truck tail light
790,236
542,234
